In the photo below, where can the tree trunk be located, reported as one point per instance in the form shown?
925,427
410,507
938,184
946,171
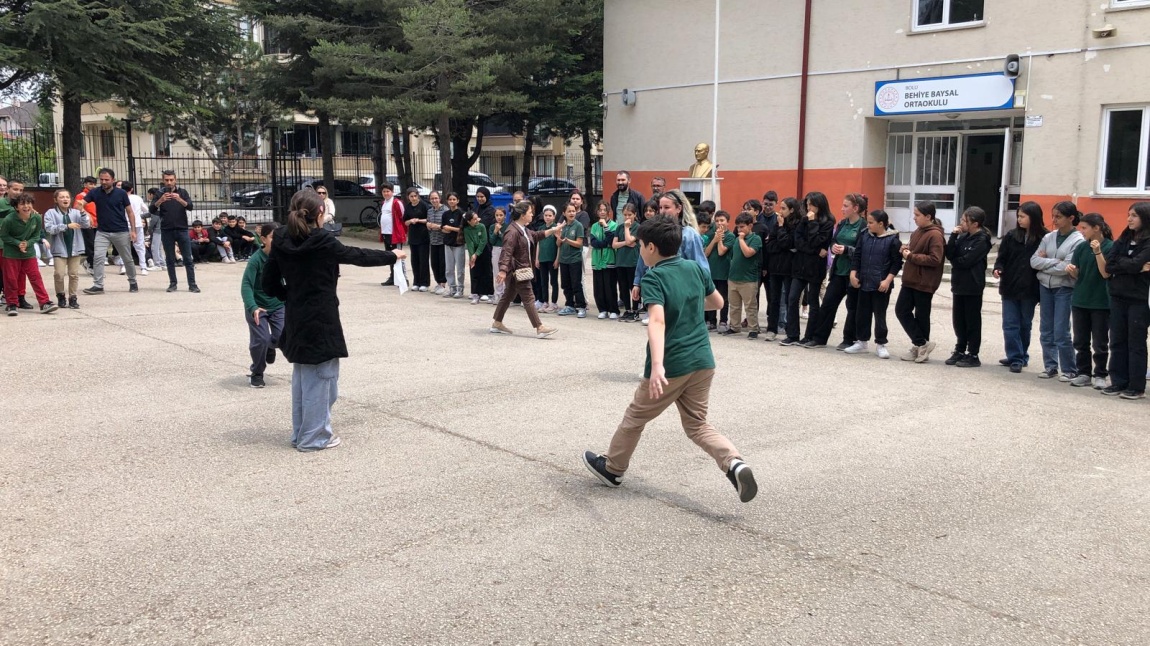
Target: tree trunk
588,165
396,154
407,179
528,152
378,153
443,142
327,151
72,136
460,162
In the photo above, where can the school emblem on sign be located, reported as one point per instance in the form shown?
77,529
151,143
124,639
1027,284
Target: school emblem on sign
888,98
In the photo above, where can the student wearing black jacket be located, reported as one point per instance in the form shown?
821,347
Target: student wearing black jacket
1018,284
1128,264
812,239
875,263
303,271
418,240
779,248
967,250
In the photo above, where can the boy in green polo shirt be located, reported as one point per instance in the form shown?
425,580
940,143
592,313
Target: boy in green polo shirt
547,265
680,365
718,241
264,313
744,277
20,230
626,257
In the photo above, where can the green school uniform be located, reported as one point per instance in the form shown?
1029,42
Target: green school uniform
475,237
720,264
251,286
680,286
568,254
603,258
13,231
496,239
847,236
627,256
548,250
744,269
1090,291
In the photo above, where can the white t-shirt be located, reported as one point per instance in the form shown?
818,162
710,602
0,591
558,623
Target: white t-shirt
139,208
385,217
328,210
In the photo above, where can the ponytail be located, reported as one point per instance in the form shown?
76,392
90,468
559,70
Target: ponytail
1097,221
860,201
304,213
1067,209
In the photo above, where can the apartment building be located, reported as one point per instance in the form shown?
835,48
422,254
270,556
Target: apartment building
903,100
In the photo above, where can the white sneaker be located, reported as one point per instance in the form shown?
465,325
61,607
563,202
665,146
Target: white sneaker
439,291
141,272
581,313
881,351
423,289
484,299
602,315
1100,383
123,270
474,299
151,264
613,316
646,319
859,347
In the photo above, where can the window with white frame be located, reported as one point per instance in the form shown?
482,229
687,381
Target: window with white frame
1125,148
1122,4
937,14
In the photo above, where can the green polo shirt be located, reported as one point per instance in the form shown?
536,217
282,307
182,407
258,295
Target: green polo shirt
627,256
847,236
745,269
720,265
568,254
680,287
13,231
548,249
1090,290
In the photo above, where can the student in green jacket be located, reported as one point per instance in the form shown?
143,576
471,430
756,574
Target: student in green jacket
264,313
718,241
1090,302
20,231
626,257
475,237
602,241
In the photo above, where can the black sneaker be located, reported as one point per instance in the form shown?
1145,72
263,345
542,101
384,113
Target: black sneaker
597,464
728,332
1016,367
389,282
789,341
711,327
811,344
93,290
753,335
195,289
73,303
843,346
1113,391
744,481
270,357
256,381
969,361
11,310
955,357
172,287
25,305
61,300
134,287
1133,394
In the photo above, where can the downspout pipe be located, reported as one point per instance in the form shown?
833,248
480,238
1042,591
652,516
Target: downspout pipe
804,78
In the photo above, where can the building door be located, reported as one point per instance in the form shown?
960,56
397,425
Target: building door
923,167
982,177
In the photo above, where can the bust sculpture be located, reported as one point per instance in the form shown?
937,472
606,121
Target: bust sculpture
702,166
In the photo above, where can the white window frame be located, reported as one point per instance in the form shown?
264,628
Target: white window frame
945,24
1143,152
1128,4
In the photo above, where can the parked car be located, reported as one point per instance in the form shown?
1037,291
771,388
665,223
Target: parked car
475,179
342,188
550,186
368,184
261,195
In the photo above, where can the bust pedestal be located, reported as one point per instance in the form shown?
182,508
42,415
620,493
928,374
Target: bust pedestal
698,189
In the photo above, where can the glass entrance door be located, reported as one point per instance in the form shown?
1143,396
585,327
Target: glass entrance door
922,167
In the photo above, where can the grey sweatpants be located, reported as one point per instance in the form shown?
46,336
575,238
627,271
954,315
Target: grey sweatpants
123,244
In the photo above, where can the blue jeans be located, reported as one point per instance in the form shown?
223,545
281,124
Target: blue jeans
1017,321
1054,330
314,389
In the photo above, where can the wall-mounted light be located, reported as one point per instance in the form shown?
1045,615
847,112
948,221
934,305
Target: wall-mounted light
952,115
1105,31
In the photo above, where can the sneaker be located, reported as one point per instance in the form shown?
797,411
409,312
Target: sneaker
753,335
803,313
61,300
151,264
1016,367
390,282
566,311
789,341
42,263
448,293
333,442
93,290
744,481
645,320
195,289
602,316
1111,391
1067,377
48,308
484,299
613,316
141,272
581,313
133,287
1005,362
597,465
1048,374
924,352
73,303
499,328
728,332
1133,394
1081,381
721,328
911,354
123,270
859,347
842,347
811,344
423,289
172,287
458,293
439,291
881,351
11,310
475,299
270,356
969,361
1099,383
256,381
954,358
771,336
542,332
25,305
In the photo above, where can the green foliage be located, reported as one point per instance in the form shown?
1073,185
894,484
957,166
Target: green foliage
23,158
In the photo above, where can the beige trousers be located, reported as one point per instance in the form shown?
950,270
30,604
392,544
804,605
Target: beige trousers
744,295
71,267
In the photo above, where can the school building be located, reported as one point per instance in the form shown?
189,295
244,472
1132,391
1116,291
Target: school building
902,100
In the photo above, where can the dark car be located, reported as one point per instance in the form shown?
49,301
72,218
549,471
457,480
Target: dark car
342,188
550,186
262,195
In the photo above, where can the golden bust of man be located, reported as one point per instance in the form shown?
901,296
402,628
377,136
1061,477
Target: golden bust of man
702,166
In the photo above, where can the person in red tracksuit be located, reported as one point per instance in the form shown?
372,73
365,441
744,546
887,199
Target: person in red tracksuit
392,230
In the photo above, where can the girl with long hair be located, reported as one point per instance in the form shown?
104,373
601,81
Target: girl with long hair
1129,267
921,276
874,264
779,247
1018,284
812,237
846,235
1090,304
1055,289
302,271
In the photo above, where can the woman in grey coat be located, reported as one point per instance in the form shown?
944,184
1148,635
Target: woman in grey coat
1055,289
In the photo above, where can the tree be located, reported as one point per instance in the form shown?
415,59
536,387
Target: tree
146,54
577,111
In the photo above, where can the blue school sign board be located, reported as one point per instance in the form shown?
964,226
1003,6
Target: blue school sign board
970,93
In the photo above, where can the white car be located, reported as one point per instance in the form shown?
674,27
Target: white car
368,183
475,179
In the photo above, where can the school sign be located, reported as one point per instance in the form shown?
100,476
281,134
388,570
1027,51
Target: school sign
944,94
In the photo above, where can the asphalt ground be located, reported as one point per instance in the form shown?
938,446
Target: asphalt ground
149,496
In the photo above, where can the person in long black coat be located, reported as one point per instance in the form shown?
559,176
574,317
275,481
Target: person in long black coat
302,272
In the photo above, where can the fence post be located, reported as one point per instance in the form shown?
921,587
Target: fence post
275,137
131,156
36,153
